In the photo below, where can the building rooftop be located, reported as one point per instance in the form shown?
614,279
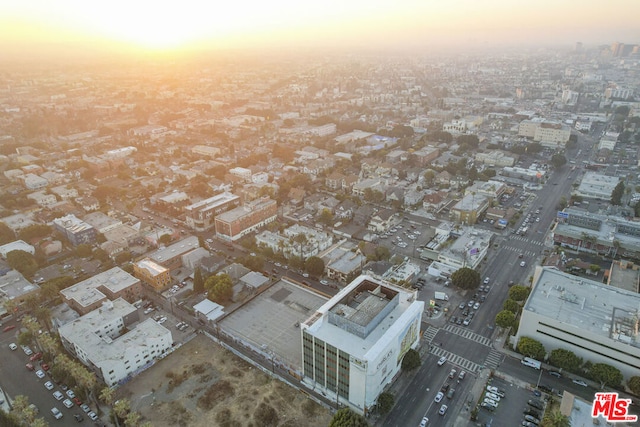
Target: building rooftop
152,267
87,292
586,305
361,314
211,202
177,249
13,285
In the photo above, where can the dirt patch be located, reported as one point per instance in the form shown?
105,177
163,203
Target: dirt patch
203,384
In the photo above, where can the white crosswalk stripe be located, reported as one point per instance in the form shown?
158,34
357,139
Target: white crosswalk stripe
493,360
520,251
463,363
430,334
465,333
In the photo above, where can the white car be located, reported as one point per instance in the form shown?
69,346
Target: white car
442,361
92,415
67,403
56,413
522,264
438,397
58,395
85,408
580,382
493,396
486,281
443,409
476,306
48,385
13,346
40,373
162,320
424,422
71,394
27,350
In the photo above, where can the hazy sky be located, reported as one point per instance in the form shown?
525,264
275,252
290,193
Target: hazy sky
37,25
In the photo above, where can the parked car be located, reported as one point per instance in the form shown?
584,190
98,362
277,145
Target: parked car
58,395
536,404
29,366
92,415
445,387
555,374
532,419
13,346
452,373
67,403
85,408
40,373
79,418
461,375
580,382
56,413
487,406
48,385
451,392
71,394
8,328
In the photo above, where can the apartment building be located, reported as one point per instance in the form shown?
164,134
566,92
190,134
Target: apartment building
201,216
75,230
152,274
239,222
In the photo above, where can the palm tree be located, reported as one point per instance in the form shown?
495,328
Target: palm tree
132,419
106,395
121,408
556,419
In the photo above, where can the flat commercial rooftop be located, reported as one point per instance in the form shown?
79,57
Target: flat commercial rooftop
269,321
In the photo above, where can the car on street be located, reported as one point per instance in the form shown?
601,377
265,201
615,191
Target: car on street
450,393
424,422
522,264
48,385
438,397
9,328
452,373
580,382
324,282
555,374
13,346
486,281
461,375
443,409
466,321
442,361
476,306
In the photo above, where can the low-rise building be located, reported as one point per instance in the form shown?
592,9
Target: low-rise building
352,346
467,210
76,231
468,250
171,256
239,222
201,216
17,245
596,322
152,274
15,289
597,186
112,284
101,222
111,343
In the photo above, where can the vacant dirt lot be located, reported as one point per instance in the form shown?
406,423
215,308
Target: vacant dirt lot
203,384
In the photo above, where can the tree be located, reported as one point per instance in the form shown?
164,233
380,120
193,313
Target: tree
6,234
123,257
555,419
411,360
385,402
519,293
22,261
34,231
326,217
165,239
345,417
634,385
531,348
465,278
315,266
558,160
617,193
505,319
511,306
101,255
106,395
83,250
565,359
219,288
198,281
605,375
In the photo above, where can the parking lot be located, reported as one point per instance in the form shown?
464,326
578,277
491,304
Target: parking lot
506,404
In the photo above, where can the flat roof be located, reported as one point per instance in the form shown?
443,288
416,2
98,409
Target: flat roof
177,249
268,321
320,326
585,304
152,267
86,292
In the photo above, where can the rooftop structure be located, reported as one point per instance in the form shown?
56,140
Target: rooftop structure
200,216
597,186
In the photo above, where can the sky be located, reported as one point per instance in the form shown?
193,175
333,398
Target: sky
32,27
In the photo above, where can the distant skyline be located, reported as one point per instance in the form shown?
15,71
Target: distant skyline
34,27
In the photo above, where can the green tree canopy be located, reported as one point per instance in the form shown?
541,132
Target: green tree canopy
565,359
531,348
219,288
83,250
617,193
411,360
6,234
555,419
634,385
385,402
465,278
34,231
253,262
22,261
519,293
165,239
326,217
505,319
606,375
198,281
511,306
558,160
345,417
314,265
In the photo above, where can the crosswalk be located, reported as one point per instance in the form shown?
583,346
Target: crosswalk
520,251
493,360
463,363
430,334
526,240
466,333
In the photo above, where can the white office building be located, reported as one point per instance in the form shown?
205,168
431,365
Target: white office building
598,323
352,346
110,342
